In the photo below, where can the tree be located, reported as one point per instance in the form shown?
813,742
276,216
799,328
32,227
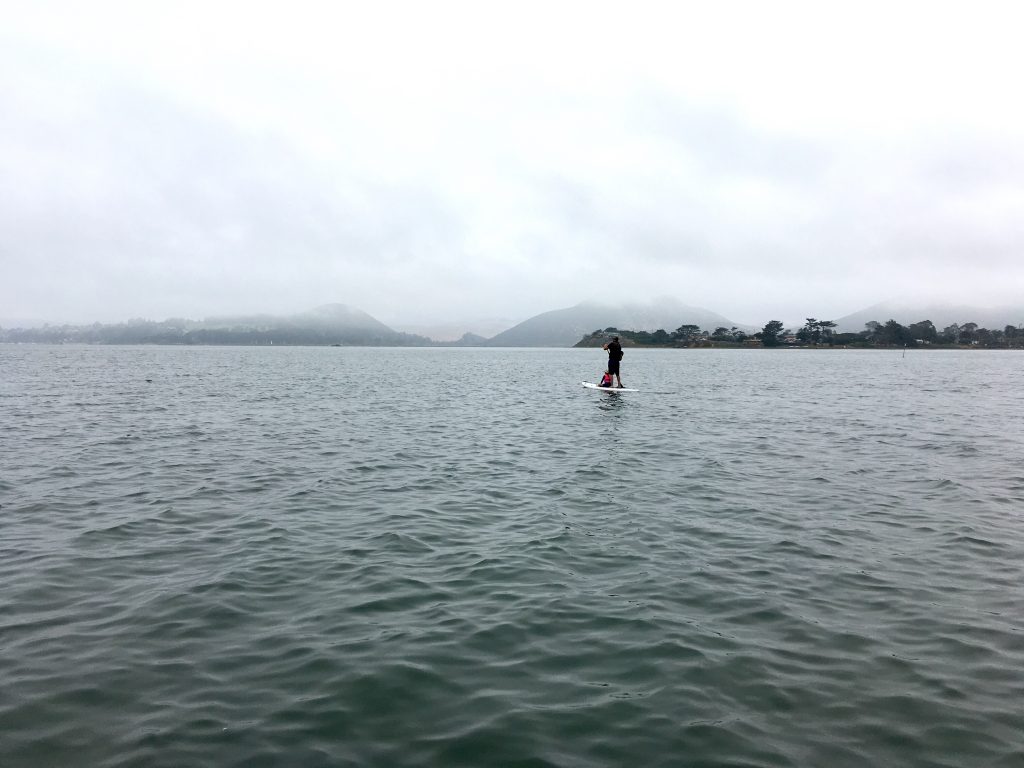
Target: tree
770,333
848,338
686,333
924,331
806,334
895,334
815,331
724,334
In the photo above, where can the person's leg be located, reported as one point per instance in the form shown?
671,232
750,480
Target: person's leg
614,368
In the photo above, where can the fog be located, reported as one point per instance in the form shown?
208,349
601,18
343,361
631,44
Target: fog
450,163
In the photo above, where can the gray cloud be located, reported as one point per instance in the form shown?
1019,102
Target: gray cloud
423,189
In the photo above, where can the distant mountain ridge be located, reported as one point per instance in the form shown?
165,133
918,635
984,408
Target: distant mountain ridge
565,327
341,324
329,324
941,314
326,316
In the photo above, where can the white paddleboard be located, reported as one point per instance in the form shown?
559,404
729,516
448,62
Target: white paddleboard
588,385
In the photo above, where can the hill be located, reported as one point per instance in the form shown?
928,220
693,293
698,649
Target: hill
941,314
564,327
469,340
329,324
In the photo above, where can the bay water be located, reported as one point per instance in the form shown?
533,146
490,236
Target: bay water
460,557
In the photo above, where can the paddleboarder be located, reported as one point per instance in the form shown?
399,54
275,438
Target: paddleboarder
614,356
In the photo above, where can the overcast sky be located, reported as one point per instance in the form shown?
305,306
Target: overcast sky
437,161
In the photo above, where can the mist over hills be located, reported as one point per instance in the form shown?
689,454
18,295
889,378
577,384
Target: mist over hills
942,314
328,324
341,324
564,327
455,330
330,317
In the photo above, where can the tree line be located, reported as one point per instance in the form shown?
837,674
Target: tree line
923,333
177,331
816,332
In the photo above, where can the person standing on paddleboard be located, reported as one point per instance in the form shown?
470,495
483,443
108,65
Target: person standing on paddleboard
614,356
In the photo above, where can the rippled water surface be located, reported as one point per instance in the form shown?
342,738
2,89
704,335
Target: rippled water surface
445,557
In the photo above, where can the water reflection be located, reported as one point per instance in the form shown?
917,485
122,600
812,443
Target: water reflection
613,401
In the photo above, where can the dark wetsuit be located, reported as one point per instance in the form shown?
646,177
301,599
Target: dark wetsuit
614,355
